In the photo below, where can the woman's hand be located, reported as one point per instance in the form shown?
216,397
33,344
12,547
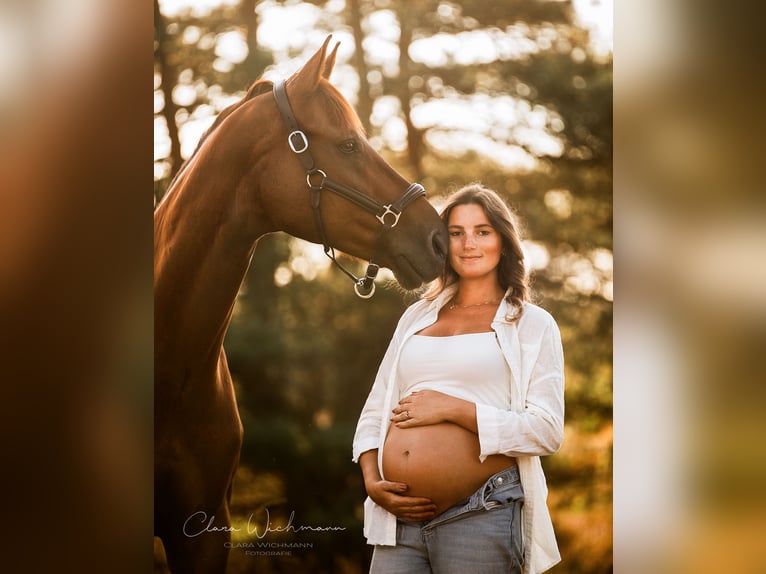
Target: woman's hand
390,495
432,407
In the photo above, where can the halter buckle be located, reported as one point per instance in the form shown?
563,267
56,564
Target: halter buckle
302,141
389,211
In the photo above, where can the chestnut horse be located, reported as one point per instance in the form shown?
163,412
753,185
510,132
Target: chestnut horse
248,177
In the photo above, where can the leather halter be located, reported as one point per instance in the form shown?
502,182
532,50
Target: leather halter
317,180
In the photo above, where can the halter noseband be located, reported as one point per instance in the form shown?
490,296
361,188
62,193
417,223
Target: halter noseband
317,180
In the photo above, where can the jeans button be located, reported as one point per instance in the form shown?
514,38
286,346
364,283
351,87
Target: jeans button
499,480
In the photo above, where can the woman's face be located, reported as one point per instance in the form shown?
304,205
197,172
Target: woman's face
474,245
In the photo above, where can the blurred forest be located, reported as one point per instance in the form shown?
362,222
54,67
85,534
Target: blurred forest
509,93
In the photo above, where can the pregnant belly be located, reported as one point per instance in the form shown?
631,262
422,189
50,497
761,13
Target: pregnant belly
440,462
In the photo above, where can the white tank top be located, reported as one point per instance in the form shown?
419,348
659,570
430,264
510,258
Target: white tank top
471,367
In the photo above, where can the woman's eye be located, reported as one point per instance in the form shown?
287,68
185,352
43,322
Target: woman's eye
348,146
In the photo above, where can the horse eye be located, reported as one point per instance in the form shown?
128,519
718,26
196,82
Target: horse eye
348,146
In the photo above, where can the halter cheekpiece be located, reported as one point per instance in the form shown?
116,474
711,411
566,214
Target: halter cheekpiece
317,180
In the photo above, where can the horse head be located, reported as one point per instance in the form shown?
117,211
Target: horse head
412,243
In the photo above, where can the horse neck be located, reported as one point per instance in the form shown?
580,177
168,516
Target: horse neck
204,239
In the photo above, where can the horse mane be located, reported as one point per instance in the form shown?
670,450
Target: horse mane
256,89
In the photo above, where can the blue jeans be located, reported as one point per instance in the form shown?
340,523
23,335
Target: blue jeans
480,535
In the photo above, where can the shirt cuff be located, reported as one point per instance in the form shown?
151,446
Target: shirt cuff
489,424
363,445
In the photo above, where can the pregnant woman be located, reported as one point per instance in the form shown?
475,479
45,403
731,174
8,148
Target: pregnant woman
469,395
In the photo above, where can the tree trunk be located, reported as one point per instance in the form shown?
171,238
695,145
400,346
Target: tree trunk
257,60
167,71
364,105
414,135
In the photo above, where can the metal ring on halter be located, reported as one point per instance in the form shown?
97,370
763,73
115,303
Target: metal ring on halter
358,284
389,211
313,172
368,281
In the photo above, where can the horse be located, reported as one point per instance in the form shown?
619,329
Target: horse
266,164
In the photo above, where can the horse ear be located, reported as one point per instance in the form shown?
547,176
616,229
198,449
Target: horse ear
307,78
330,63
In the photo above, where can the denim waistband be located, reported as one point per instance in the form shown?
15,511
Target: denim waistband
499,489
497,480
506,481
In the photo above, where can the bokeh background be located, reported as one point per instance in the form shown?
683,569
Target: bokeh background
76,143
517,95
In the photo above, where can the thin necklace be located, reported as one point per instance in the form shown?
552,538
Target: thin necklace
488,302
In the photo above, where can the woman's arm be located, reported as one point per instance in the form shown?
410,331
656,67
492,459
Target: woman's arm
372,417
538,429
429,407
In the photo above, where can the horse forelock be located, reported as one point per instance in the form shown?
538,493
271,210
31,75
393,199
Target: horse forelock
339,109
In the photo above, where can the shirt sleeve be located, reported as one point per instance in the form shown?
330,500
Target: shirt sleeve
368,429
537,429
367,436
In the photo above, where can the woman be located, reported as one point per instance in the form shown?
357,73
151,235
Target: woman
469,395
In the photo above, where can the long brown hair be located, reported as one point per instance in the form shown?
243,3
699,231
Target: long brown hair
511,271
